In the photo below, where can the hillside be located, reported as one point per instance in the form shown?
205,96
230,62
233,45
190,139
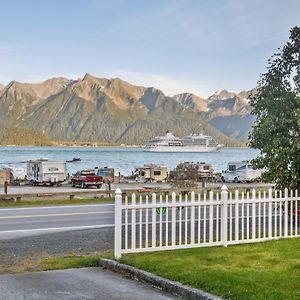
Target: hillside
21,136
115,111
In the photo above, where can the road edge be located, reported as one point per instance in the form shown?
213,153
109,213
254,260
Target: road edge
173,287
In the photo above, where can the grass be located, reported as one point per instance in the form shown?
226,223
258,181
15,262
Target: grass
68,262
49,202
269,270
42,262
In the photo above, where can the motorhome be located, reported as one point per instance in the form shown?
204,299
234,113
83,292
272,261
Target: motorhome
43,171
151,173
198,170
241,171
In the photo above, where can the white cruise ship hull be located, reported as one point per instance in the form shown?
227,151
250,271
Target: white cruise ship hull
188,149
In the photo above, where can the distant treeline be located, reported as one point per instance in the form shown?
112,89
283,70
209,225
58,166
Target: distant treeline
10,135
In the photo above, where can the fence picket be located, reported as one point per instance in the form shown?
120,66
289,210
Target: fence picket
236,212
133,222
253,204
153,220
147,223
211,216
192,225
173,219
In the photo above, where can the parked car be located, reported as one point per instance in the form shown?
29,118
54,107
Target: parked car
241,171
86,178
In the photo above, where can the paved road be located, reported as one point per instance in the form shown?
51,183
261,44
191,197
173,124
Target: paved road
87,283
20,222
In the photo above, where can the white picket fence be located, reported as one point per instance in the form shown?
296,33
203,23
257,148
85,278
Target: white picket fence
158,223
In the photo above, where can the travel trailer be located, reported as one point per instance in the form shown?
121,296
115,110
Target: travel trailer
151,173
198,170
43,171
241,171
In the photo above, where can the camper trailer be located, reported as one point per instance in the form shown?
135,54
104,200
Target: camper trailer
241,171
151,173
195,171
43,171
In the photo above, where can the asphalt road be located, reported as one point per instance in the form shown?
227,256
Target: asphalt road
20,222
86,283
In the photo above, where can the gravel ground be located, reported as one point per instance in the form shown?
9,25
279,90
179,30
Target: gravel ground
19,254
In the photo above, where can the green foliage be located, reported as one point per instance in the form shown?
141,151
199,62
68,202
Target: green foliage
22,136
276,132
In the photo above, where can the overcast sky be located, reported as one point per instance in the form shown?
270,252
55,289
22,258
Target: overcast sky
175,45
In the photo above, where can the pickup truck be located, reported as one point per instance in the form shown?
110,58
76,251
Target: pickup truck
86,178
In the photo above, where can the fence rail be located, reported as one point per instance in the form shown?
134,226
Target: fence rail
155,223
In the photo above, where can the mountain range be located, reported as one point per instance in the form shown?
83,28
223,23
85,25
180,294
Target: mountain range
115,111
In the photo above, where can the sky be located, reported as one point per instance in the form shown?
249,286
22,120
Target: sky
175,45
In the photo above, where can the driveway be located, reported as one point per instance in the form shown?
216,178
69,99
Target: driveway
86,283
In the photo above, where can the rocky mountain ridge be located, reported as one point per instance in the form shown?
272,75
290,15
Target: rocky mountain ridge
113,110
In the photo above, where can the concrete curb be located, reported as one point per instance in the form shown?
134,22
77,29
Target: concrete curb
172,287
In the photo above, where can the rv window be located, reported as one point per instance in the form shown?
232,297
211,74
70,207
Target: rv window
206,168
232,168
142,173
53,169
156,173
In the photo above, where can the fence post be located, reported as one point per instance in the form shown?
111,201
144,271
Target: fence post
224,214
118,223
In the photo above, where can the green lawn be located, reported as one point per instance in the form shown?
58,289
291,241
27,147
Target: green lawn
49,202
269,270
67,262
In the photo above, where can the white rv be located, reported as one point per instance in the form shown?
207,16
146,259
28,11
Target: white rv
241,171
151,173
43,171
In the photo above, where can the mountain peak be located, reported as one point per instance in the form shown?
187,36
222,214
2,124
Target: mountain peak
192,101
221,95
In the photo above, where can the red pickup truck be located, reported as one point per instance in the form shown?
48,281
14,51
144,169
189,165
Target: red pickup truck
86,178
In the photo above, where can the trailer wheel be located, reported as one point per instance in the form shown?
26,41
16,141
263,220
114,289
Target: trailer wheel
222,179
236,180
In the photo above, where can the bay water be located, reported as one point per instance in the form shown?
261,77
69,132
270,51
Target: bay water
122,159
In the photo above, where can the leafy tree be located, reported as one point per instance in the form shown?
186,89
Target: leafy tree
276,132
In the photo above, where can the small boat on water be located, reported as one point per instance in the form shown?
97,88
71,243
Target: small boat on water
75,159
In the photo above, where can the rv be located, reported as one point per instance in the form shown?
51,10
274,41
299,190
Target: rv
43,171
241,171
196,171
151,173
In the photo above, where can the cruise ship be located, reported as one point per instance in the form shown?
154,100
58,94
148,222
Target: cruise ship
189,143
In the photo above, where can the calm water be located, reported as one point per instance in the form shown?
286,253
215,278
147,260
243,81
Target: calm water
124,160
